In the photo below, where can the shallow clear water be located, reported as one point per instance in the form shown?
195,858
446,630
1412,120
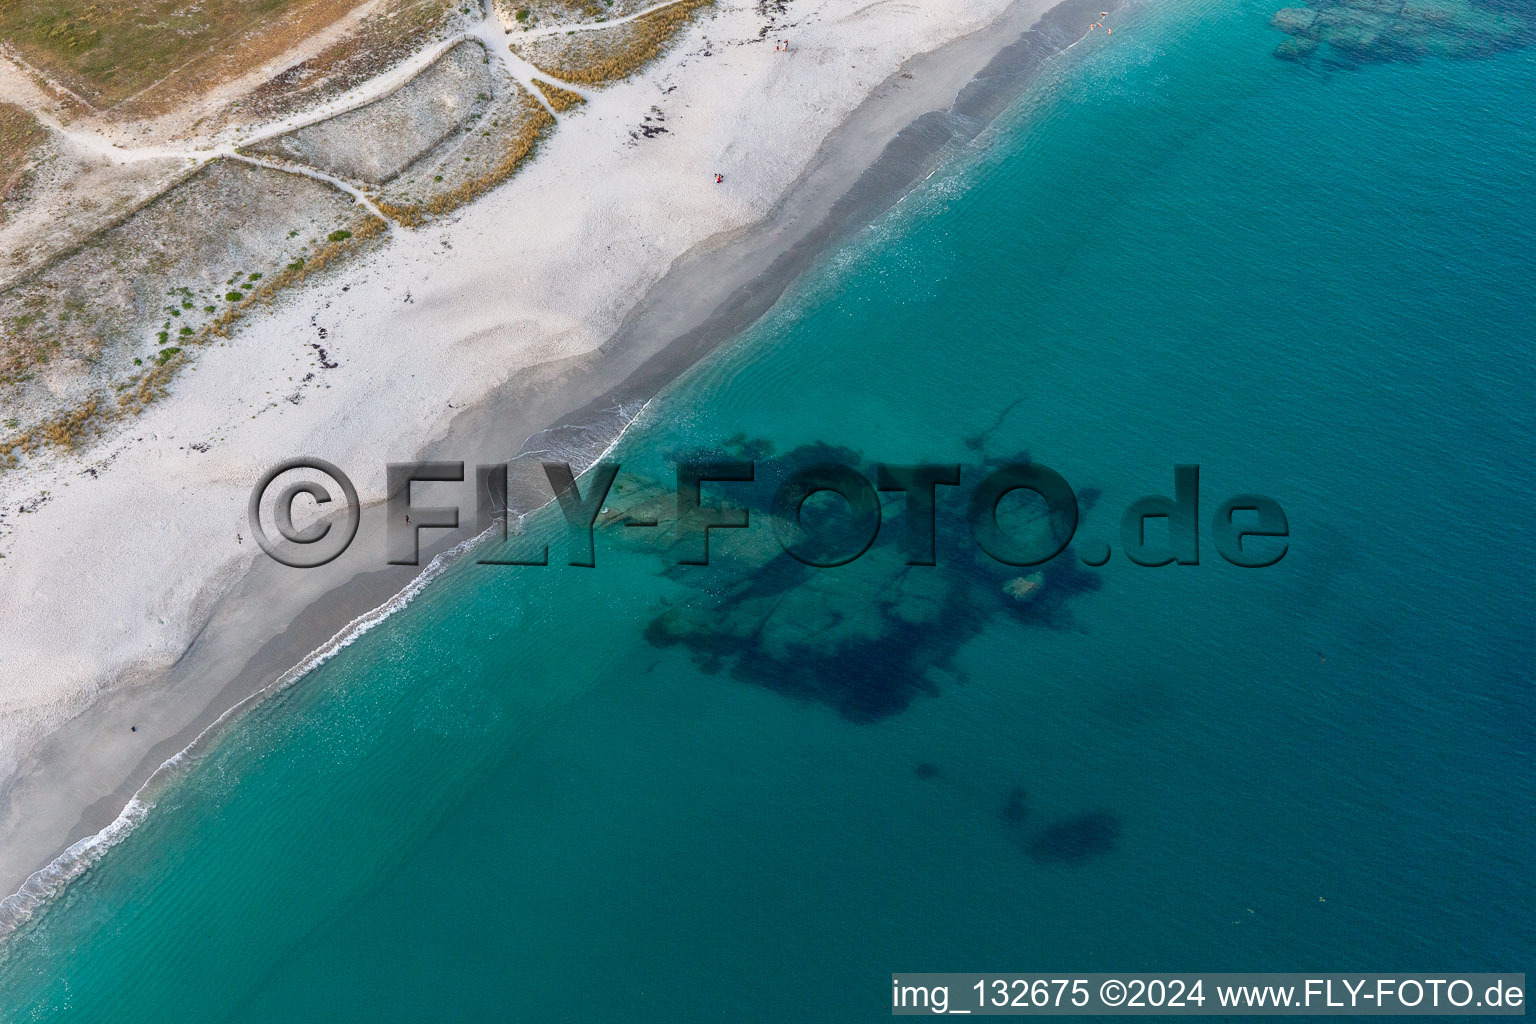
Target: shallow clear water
513,800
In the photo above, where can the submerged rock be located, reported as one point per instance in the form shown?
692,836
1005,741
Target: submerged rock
865,638
1295,20
1378,31
1296,49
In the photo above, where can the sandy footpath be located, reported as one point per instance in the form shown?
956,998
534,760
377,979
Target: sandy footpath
568,296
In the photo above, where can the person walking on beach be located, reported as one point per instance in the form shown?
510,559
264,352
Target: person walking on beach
719,179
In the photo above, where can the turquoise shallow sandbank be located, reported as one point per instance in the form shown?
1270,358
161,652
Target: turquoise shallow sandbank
646,793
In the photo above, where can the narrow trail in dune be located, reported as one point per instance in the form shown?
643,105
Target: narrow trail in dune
525,74
593,26
356,193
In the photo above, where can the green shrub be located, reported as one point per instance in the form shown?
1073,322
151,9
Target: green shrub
339,235
234,296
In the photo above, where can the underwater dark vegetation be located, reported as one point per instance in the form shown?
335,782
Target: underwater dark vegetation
1016,808
1076,839
866,638
1353,32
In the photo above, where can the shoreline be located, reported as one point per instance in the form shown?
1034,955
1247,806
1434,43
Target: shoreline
576,404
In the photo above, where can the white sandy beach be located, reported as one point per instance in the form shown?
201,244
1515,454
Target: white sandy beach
125,550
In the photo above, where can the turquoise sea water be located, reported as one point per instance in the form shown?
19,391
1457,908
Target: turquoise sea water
518,800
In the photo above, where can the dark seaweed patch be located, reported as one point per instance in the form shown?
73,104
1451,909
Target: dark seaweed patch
1349,33
1016,808
864,639
1077,839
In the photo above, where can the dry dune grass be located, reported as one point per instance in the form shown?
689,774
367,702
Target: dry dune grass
602,56
534,12
561,99
382,40
20,135
374,143
529,13
87,331
154,52
152,384
65,430
112,295
495,152
357,233
101,330
70,428
575,8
